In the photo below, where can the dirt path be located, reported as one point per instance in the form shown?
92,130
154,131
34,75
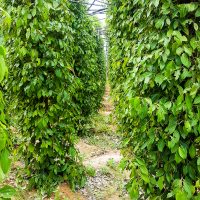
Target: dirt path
98,155
101,152
102,160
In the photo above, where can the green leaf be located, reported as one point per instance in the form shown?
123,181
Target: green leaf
179,37
31,148
186,74
193,43
192,151
188,102
133,190
140,162
161,145
42,123
160,172
156,3
188,126
197,197
185,60
7,192
145,178
28,33
159,79
3,68
177,74
72,152
175,139
197,100
33,12
58,73
135,102
168,21
169,195
179,51
144,170
3,138
197,13
55,4
2,175
191,7
178,159
172,125
6,17
194,89
161,114
160,23
188,50
123,163
198,161
2,51
160,182
189,188
22,52
176,136
180,195
196,27
5,161
168,105
182,152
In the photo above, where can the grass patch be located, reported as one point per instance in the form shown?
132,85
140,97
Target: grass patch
101,132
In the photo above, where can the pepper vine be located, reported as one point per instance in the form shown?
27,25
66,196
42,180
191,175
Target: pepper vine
155,75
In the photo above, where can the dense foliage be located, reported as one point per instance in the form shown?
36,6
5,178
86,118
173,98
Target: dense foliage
6,192
49,85
155,73
89,60
4,153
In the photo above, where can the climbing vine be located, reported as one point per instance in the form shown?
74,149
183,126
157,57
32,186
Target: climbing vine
155,74
4,153
6,192
89,61
52,86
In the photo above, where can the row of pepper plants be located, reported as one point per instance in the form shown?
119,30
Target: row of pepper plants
6,191
56,81
155,76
